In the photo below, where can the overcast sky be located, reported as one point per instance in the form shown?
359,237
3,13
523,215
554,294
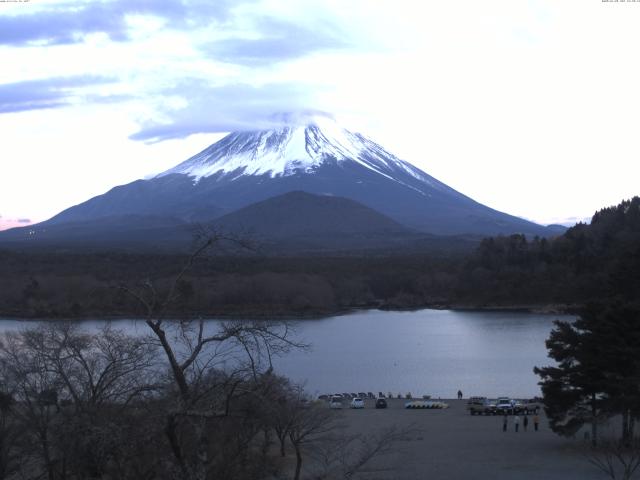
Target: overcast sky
531,107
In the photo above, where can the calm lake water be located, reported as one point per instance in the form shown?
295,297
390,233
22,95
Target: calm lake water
434,352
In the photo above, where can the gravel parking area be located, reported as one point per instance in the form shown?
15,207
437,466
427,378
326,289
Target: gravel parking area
452,444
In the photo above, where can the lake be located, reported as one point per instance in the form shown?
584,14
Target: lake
433,352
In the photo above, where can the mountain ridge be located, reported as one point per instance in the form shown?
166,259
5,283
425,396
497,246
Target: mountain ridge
300,222
287,215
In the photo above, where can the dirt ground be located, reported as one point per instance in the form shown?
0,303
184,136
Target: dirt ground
452,444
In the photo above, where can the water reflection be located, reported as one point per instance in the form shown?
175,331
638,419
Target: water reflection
433,352
425,352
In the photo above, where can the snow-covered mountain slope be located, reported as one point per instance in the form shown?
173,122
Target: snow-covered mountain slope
295,149
314,155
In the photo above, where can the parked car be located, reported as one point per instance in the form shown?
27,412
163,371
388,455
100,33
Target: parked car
505,406
357,402
481,406
381,403
529,406
335,402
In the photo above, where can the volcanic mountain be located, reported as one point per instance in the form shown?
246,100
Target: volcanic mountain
316,156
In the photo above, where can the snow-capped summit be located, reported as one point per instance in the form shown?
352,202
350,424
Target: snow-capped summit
301,144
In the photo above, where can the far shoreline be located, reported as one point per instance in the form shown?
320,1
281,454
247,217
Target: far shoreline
545,309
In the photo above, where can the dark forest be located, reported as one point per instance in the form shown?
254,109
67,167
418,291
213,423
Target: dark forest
596,260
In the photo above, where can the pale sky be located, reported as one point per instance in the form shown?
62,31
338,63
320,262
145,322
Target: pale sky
531,107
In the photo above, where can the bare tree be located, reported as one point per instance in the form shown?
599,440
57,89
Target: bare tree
308,425
108,367
345,456
33,385
616,458
243,350
70,389
10,435
283,408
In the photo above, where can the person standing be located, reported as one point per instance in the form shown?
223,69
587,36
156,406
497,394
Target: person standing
536,421
516,422
459,394
504,423
525,422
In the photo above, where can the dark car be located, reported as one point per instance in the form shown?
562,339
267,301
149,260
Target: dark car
381,403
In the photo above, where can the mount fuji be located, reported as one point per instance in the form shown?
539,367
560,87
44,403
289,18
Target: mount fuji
313,155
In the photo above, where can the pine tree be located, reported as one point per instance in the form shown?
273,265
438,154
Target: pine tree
598,370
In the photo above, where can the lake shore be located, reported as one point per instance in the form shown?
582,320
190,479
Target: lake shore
545,309
451,444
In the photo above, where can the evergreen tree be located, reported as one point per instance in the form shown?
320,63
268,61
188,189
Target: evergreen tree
572,390
617,327
598,370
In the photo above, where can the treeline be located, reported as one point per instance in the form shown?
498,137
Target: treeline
75,286
588,261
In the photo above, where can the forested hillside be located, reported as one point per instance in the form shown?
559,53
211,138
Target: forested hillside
588,262
600,259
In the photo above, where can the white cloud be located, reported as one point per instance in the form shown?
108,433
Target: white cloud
527,106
